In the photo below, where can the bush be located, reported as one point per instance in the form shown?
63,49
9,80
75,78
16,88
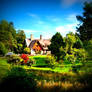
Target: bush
14,59
77,55
25,58
81,55
27,50
32,61
88,47
18,80
51,61
70,58
3,50
38,52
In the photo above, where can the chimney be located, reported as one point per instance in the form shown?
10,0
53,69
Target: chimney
40,37
31,36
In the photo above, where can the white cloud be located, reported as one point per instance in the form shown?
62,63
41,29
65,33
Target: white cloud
53,18
71,17
33,15
47,35
66,29
29,31
40,22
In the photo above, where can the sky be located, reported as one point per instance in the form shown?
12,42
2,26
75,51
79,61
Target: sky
45,17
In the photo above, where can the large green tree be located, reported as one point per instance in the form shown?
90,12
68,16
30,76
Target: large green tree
85,27
56,43
7,34
20,37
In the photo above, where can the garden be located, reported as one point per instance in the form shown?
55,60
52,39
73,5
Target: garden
67,69
63,76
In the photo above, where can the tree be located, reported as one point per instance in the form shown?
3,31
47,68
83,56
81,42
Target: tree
88,48
70,40
3,50
73,52
85,28
78,44
20,37
56,43
7,34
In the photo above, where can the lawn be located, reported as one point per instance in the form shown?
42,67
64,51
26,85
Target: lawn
40,60
40,64
4,67
61,75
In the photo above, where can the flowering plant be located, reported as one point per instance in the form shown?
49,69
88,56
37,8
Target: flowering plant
25,58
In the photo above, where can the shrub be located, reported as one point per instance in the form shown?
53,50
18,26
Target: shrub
18,80
88,47
70,57
25,58
51,61
32,61
14,59
3,50
63,53
27,50
76,55
38,52
81,55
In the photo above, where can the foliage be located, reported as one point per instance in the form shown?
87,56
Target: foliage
78,44
7,34
70,57
4,67
56,43
85,27
81,55
88,48
14,59
63,53
51,61
20,37
13,41
3,49
76,55
71,52
33,61
70,40
18,80
25,58
27,50
38,52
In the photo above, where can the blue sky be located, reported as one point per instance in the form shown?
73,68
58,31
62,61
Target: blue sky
44,17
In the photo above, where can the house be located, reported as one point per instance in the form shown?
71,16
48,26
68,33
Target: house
38,46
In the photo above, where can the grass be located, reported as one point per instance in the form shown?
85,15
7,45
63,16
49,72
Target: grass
39,60
60,75
41,65
4,67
